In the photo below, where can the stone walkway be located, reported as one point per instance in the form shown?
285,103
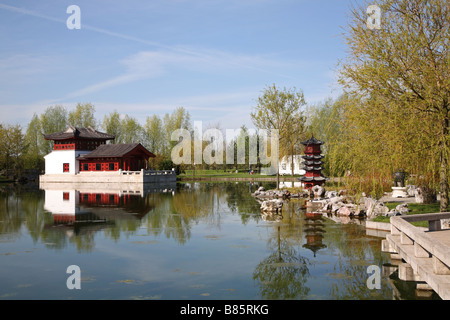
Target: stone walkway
387,198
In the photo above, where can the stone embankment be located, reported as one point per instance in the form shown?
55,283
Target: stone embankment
331,202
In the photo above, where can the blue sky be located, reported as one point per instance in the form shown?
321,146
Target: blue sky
212,57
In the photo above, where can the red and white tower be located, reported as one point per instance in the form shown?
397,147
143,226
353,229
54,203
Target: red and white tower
313,163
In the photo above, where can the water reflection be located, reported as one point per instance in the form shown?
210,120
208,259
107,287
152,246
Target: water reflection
214,232
314,232
78,214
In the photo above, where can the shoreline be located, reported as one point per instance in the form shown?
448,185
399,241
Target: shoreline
212,178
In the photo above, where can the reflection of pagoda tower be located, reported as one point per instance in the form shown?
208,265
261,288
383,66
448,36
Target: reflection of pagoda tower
314,232
313,163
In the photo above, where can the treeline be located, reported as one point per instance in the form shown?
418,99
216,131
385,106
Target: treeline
396,113
366,142
23,149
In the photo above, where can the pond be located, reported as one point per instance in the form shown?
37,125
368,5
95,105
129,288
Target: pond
195,241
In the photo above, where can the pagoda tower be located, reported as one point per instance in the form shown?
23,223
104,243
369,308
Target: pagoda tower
313,163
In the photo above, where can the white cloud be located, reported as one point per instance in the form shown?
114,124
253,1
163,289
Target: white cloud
152,64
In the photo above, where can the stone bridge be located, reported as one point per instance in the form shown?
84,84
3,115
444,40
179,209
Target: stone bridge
425,251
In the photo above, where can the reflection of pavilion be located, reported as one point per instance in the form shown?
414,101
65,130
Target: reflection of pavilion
314,232
94,204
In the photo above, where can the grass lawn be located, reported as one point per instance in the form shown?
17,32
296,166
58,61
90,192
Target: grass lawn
416,208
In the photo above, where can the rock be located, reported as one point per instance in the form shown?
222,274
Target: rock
380,209
425,195
402,208
392,213
445,223
336,206
411,190
374,208
331,194
272,194
274,205
369,205
261,189
318,191
344,211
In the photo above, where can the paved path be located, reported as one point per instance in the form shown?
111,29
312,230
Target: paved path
388,198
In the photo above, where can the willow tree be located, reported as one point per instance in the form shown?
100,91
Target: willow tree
404,61
279,109
325,121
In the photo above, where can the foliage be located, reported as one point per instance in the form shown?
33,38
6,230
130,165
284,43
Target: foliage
83,116
325,122
33,157
280,109
399,90
11,148
54,119
112,125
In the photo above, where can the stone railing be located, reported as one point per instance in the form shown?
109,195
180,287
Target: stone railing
425,250
158,172
425,245
148,172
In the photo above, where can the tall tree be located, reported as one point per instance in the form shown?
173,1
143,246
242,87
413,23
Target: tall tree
12,146
154,132
278,109
405,64
83,116
325,121
112,125
54,119
131,130
33,140
178,119
293,135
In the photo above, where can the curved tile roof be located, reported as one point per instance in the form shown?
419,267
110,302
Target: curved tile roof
115,150
312,140
82,133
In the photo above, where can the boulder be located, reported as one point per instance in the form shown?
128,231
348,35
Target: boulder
380,209
331,194
425,195
318,191
345,211
411,190
374,208
392,213
336,206
402,208
333,204
445,223
274,205
369,205
272,194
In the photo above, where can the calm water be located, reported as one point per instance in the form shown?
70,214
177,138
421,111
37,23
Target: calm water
190,241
